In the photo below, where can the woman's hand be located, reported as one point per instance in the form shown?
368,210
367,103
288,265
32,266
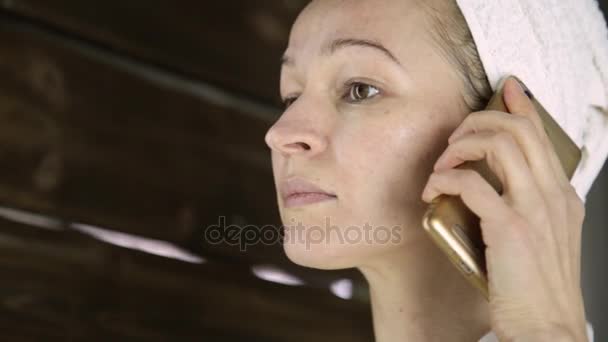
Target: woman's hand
532,231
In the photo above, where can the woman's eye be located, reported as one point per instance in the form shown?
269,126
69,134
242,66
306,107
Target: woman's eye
361,91
288,101
355,92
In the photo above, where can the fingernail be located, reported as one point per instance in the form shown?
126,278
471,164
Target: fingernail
524,89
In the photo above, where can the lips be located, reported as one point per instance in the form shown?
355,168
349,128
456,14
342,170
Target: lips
297,191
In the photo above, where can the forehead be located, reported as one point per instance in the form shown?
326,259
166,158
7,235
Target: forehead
393,22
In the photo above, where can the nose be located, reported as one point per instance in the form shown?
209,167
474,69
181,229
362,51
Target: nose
292,135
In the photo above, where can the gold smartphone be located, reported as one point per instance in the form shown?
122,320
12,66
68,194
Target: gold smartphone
455,229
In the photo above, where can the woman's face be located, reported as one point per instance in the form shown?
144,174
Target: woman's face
372,104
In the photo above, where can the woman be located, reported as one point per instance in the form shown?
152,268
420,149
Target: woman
372,92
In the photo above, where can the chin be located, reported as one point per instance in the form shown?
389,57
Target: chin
319,256
332,256
320,245
306,244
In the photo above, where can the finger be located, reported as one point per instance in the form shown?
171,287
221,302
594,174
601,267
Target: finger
504,157
519,104
525,134
566,234
570,235
477,194
522,199
506,234
577,216
506,160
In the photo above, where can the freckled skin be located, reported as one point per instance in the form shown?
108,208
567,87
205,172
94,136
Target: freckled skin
377,155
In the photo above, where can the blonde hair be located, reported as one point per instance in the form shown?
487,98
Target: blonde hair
454,39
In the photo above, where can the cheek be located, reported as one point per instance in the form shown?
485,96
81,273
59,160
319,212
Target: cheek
386,161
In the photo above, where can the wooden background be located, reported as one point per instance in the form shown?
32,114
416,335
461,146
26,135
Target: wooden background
147,118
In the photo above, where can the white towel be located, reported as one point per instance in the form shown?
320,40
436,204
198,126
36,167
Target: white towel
559,49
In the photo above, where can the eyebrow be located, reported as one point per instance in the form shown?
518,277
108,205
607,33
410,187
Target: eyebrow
337,44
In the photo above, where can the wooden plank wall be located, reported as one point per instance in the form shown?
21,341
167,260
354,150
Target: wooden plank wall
148,118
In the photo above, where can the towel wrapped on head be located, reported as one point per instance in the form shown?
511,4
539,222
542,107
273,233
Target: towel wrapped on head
559,49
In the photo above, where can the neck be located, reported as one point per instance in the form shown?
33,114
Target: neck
417,295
